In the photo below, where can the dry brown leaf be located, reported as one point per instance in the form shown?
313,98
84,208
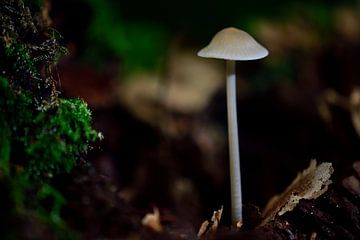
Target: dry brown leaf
310,184
356,167
313,236
351,104
203,228
208,229
355,109
352,184
152,221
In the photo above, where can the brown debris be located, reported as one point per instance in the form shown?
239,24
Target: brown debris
208,229
152,221
356,167
355,109
332,98
203,228
352,184
310,184
334,214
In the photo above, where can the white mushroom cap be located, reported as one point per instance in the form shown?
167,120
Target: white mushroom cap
233,44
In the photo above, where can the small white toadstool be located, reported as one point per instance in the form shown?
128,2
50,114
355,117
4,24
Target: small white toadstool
233,44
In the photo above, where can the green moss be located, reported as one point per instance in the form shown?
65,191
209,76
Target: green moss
34,5
41,135
35,145
5,132
4,147
60,138
21,60
19,68
47,142
24,202
29,47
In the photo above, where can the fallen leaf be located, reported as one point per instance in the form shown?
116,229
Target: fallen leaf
208,229
355,109
152,221
356,167
352,184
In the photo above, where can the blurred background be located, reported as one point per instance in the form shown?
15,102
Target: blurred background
162,109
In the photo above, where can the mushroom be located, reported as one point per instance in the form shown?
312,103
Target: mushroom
233,44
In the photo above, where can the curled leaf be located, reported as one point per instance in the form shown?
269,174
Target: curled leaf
152,221
208,229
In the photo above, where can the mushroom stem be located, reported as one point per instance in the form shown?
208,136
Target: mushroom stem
235,176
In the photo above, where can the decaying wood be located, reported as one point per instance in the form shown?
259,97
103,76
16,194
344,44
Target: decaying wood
310,184
331,214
